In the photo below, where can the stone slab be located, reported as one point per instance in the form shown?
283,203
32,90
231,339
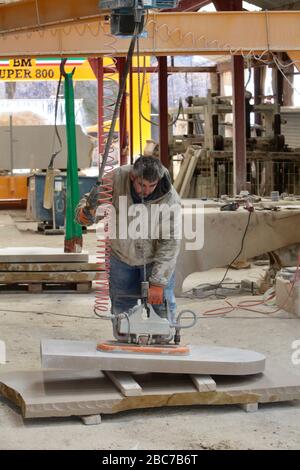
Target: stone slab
40,254
206,360
44,277
53,393
51,267
31,141
222,237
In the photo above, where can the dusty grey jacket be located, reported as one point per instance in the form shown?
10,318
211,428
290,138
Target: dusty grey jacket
161,251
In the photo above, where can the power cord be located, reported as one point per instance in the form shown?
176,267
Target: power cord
237,256
216,287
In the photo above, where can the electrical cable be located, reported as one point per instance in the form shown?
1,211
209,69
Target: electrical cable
248,304
180,105
216,287
236,257
56,132
250,75
122,86
106,186
49,313
32,312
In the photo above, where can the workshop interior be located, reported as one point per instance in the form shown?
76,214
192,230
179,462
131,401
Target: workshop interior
111,310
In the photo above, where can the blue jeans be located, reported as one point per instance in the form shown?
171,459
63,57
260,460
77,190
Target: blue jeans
126,280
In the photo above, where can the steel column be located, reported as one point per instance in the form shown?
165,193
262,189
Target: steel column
163,111
131,130
258,93
239,111
97,66
239,125
123,137
278,85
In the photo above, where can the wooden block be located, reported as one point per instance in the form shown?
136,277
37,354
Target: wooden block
249,407
204,383
91,420
192,190
125,383
183,169
187,177
185,187
35,288
84,287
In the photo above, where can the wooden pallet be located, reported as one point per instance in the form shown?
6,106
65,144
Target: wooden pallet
38,277
59,393
37,288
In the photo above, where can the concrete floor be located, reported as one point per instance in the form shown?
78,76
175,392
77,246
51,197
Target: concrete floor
26,318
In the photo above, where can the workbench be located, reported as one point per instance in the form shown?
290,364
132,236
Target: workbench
222,233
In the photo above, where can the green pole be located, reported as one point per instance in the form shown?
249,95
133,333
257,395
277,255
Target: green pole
73,233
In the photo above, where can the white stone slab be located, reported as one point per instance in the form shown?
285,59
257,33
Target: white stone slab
31,144
212,360
268,231
39,254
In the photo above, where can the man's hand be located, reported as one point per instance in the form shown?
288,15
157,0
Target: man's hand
155,295
93,197
84,216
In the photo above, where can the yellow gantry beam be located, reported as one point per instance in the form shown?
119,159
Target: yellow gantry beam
31,14
167,34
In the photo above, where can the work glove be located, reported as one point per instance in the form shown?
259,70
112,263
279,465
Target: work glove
155,295
93,197
84,216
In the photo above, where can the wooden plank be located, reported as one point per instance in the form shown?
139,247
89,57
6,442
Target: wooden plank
35,288
125,383
38,288
84,286
184,166
203,383
185,187
208,135
192,189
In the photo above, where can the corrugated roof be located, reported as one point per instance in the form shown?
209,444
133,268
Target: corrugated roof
264,4
276,4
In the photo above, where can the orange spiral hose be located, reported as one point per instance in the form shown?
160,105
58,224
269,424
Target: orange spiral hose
103,243
103,251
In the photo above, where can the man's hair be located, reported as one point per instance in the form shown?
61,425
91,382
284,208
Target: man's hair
149,167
